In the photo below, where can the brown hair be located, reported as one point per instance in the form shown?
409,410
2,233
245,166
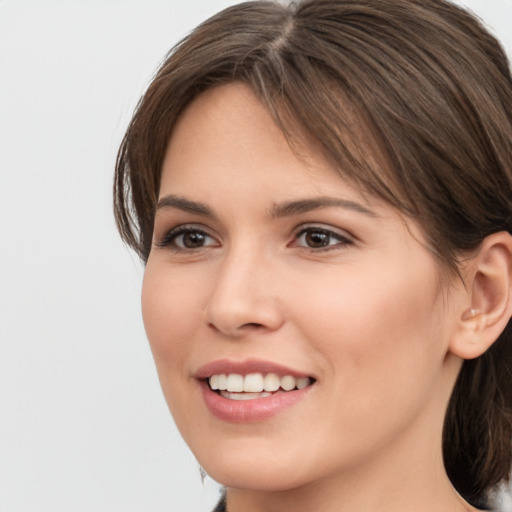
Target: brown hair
432,88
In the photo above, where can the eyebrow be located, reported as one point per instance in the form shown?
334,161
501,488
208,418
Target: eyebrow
186,205
285,209
318,203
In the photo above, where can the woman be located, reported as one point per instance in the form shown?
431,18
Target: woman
322,196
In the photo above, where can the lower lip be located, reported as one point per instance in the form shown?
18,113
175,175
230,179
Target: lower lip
245,411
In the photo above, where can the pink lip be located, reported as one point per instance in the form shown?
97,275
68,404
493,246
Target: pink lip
245,411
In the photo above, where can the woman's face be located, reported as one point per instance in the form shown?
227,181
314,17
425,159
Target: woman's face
269,271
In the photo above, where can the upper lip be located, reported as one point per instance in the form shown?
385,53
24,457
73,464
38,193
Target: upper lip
227,366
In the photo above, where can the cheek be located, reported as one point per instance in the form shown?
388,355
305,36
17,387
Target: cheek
378,328
381,345
169,311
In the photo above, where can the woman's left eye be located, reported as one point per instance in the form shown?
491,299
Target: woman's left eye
317,238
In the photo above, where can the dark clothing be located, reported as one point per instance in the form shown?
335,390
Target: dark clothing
221,506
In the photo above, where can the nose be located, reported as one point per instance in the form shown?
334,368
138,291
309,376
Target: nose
244,297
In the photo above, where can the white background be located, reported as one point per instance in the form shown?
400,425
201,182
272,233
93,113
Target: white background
83,425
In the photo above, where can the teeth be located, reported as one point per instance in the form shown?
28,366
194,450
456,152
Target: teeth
288,382
271,382
222,381
214,382
235,383
244,396
302,382
255,383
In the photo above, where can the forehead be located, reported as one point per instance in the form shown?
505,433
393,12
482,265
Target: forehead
226,134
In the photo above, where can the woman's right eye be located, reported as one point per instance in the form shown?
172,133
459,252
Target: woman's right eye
186,238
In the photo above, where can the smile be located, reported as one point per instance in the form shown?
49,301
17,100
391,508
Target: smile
251,391
234,386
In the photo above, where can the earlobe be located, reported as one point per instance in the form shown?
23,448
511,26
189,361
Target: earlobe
488,278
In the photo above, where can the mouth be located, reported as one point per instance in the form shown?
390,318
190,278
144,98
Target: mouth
235,386
252,390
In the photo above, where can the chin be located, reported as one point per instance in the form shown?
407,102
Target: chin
256,477
258,468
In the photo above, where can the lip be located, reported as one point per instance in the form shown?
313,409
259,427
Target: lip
246,411
245,367
257,409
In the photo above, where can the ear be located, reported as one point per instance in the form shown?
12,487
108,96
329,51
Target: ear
487,307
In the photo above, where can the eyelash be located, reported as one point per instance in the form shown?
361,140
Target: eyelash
342,240
170,238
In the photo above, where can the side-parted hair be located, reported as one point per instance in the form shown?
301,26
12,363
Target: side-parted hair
427,84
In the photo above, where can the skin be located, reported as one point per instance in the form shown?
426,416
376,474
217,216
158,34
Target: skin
368,316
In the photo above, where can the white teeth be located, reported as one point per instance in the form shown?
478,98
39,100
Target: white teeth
256,383
222,381
218,381
288,382
214,382
271,382
253,383
302,382
244,396
235,383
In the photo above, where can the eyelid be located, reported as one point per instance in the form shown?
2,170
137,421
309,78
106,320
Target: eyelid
344,237
170,235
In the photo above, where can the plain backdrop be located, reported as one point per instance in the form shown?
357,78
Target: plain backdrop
83,425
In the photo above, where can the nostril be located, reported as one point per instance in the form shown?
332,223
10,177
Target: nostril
251,324
238,331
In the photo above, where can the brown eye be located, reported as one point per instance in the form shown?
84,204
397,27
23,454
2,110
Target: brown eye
186,238
316,238
192,239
